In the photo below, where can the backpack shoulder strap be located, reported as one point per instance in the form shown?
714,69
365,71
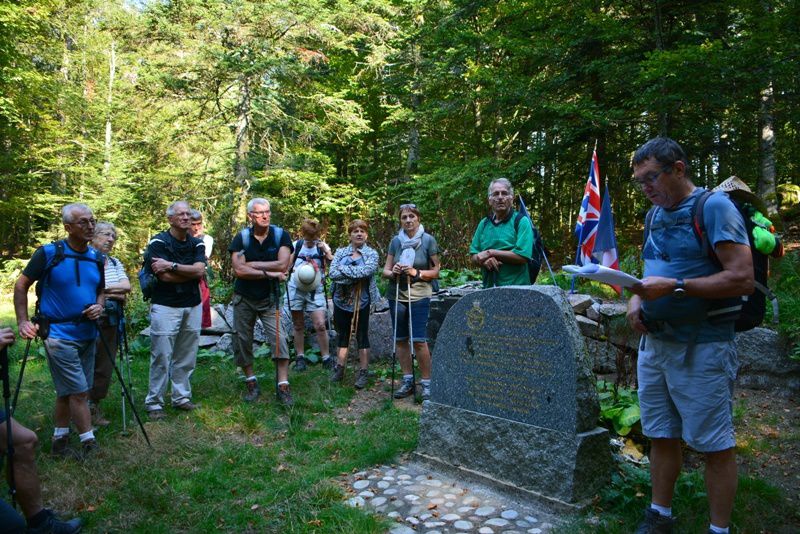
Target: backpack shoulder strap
245,233
518,217
699,226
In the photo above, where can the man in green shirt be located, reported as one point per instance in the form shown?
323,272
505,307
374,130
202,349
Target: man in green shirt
501,245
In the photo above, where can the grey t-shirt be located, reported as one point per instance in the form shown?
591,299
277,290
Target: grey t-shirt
422,261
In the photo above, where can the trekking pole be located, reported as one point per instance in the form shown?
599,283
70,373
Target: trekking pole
547,262
123,359
411,336
394,332
121,382
126,354
13,407
354,324
277,347
5,377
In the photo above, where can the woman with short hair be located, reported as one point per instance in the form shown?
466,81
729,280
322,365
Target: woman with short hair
353,269
310,254
411,265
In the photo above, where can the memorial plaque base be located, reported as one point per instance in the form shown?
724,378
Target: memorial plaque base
561,469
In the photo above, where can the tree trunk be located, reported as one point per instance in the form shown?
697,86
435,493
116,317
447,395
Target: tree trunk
112,70
766,180
412,160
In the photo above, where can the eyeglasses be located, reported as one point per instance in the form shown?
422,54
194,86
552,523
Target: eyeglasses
85,222
408,206
500,193
182,215
650,179
260,213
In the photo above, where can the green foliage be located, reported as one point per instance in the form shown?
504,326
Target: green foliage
786,285
457,277
619,407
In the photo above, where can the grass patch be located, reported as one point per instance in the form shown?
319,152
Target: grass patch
228,466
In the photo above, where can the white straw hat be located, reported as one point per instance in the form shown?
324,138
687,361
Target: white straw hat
738,190
307,278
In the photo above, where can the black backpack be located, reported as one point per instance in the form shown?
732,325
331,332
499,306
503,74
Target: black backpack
147,278
535,263
747,311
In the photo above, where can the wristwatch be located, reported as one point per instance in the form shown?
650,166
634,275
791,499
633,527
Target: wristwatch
680,289
174,266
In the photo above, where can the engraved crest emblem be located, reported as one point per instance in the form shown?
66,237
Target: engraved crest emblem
476,317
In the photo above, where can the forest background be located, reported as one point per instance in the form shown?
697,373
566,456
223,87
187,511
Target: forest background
347,108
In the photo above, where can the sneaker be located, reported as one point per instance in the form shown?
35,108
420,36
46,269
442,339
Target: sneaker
187,406
97,416
406,390
285,395
253,391
337,373
61,449
156,415
655,523
53,525
300,364
362,377
89,449
327,363
426,392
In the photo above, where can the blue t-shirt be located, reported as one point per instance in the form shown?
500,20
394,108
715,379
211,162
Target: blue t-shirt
673,250
71,285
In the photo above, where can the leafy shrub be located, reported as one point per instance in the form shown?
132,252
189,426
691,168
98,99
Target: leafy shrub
457,277
785,282
619,407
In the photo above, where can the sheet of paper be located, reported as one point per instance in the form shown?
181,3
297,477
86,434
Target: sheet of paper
602,274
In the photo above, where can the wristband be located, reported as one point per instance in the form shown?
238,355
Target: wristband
265,273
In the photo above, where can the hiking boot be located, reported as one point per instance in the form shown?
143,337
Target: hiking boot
300,364
97,416
253,391
337,373
285,395
55,526
655,523
406,390
89,449
327,363
186,406
362,377
156,415
61,449
426,392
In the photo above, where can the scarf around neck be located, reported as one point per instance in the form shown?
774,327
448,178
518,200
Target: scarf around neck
409,245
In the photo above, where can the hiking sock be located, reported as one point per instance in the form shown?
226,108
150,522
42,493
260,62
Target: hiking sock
719,530
300,356
283,382
426,382
86,436
663,510
38,519
326,357
60,432
408,378
251,379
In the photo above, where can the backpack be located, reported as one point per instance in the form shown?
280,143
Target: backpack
245,233
147,278
535,262
746,311
318,255
60,255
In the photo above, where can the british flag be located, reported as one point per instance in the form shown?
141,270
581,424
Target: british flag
589,216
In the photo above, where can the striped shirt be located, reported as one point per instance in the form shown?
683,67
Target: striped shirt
115,272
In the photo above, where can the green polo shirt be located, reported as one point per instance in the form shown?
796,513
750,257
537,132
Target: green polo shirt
500,235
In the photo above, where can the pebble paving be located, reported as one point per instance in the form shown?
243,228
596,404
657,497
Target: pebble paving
421,500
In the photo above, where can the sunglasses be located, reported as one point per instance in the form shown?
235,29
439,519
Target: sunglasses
408,206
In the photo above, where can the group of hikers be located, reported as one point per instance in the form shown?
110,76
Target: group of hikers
686,366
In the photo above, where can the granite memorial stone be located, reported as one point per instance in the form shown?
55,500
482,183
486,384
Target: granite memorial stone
513,398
